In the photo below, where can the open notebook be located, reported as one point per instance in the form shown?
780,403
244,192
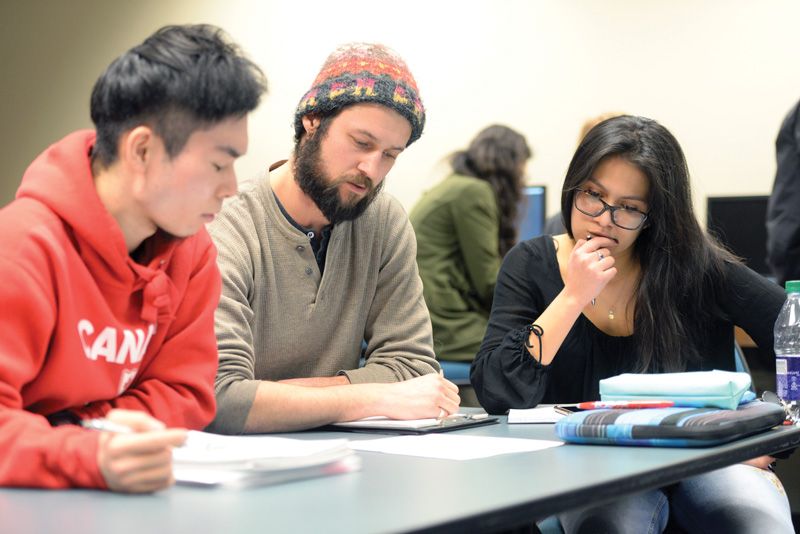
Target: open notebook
213,460
384,425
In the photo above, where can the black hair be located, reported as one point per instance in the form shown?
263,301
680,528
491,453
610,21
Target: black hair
682,268
179,80
497,155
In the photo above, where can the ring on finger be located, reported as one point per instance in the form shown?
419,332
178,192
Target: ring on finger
600,256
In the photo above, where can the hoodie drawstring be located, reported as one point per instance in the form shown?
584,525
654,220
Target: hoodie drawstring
156,301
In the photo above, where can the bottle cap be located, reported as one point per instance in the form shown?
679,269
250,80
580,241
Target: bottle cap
793,286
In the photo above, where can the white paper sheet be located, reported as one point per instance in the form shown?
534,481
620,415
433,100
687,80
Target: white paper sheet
452,447
542,414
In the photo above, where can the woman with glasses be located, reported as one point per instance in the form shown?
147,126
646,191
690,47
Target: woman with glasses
634,285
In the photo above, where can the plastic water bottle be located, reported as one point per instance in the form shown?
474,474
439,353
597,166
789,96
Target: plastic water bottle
787,345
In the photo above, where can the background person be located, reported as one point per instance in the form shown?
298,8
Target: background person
783,211
464,227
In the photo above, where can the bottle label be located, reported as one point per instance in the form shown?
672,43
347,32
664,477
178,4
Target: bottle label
787,374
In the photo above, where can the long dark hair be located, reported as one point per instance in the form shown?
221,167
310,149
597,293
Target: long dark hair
682,268
497,155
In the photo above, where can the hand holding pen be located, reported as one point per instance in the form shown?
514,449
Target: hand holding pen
134,452
427,396
443,414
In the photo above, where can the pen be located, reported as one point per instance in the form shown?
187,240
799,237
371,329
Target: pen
472,416
461,417
442,414
595,405
106,426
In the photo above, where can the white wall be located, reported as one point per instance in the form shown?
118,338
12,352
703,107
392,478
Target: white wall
720,74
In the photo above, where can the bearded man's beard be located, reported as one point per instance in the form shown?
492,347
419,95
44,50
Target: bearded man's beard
325,192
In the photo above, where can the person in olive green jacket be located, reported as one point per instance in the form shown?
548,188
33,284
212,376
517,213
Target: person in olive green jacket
464,227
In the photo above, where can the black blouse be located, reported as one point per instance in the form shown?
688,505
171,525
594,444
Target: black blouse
505,376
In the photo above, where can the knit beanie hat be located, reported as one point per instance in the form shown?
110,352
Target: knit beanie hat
363,73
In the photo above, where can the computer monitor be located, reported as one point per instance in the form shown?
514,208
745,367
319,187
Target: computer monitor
531,213
740,224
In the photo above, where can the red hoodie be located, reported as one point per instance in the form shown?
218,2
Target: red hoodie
84,328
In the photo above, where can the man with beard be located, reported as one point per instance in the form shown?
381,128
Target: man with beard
319,266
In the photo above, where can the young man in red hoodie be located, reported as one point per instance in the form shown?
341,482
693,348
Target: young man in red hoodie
109,278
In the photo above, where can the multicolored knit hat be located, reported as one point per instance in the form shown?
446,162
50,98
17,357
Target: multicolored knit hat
363,72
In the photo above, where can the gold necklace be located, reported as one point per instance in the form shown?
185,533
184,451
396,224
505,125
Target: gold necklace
612,309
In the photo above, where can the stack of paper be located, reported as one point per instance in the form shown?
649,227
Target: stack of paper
214,460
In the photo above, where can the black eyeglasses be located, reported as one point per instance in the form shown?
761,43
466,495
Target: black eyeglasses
590,203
